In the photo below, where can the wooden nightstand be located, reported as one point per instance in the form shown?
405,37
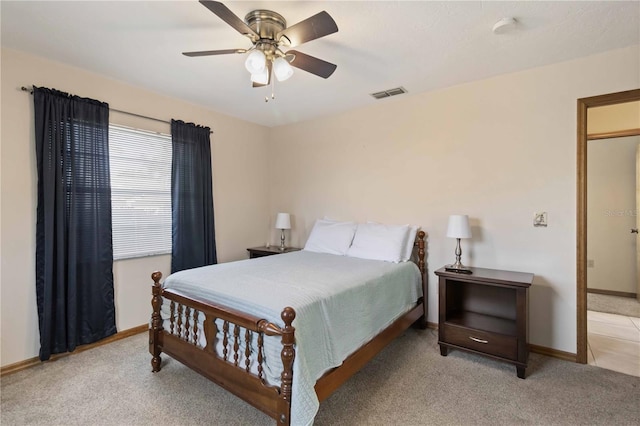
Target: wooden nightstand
485,312
268,251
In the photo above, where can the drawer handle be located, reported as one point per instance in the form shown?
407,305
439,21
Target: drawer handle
475,339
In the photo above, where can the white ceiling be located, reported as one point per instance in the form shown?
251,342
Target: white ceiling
420,45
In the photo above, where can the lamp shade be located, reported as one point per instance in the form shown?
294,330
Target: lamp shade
283,221
459,226
261,77
282,69
256,62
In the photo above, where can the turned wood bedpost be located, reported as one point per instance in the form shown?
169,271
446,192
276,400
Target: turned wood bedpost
423,275
156,322
288,355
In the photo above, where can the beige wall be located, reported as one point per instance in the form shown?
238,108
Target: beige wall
612,118
498,150
611,213
240,192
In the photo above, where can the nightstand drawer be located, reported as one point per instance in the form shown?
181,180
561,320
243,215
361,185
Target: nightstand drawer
481,341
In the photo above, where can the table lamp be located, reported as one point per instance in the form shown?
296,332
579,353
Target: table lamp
283,221
458,228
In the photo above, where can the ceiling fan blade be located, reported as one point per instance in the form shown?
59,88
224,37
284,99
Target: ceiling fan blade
214,52
319,25
229,17
311,64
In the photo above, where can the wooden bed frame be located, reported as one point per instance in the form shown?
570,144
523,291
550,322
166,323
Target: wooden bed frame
232,369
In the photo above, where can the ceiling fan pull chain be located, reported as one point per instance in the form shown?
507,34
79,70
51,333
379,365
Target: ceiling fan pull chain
273,90
266,98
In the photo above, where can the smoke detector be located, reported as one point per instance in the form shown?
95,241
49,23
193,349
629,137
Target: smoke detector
504,25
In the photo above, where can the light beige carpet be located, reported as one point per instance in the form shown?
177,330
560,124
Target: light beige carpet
409,383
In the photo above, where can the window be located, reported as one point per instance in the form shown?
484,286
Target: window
140,164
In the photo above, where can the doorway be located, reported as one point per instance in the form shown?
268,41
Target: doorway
613,313
581,258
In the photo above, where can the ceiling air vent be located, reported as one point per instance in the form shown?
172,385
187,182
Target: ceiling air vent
389,92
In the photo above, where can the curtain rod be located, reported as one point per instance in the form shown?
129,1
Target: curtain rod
26,89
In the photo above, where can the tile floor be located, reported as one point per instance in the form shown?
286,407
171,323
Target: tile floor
613,342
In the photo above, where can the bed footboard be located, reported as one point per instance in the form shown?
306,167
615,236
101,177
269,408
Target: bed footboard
232,369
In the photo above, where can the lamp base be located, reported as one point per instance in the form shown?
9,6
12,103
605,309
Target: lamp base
457,269
282,247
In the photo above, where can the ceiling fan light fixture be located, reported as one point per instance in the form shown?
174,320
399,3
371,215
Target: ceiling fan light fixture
282,69
256,62
261,77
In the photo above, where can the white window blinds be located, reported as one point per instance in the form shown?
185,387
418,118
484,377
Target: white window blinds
140,163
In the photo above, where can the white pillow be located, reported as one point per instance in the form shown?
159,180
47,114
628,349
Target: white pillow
376,241
411,239
330,237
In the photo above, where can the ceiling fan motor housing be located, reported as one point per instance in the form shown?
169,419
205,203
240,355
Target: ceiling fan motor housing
266,23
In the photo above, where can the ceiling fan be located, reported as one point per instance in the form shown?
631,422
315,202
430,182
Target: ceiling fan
269,34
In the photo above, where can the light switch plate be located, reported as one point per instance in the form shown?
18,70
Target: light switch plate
540,219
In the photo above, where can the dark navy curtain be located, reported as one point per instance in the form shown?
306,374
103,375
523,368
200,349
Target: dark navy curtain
193,233
74,252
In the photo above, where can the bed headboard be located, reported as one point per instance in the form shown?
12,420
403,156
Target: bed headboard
420,244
